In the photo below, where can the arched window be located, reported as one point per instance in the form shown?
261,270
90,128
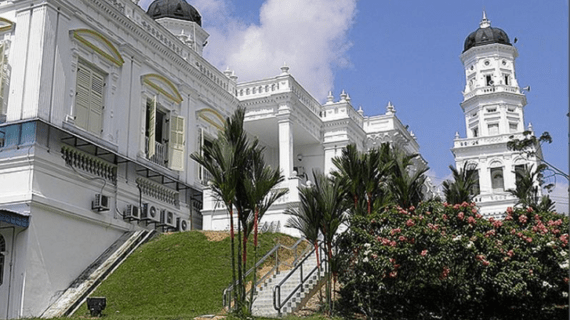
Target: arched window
2,252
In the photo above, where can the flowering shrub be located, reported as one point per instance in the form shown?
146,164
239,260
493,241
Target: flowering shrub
446,261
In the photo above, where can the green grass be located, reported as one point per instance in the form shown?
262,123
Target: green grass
174,276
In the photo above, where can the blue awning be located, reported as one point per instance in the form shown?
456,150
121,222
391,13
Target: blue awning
14,218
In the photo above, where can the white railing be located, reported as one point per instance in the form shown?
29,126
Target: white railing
467,142
160,153
491,89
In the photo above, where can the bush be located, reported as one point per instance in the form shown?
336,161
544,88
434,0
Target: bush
447,262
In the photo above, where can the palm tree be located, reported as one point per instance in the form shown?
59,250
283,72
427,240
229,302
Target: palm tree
349,173
259,186
332,207
222,159
307,218
407,179
463,187
528,183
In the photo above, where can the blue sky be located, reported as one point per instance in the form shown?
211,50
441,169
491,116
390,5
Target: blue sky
406,52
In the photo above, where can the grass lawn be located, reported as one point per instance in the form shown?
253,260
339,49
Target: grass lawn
174,276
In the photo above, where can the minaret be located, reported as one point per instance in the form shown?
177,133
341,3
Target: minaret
493,106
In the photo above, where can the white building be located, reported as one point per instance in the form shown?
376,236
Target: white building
101,105
493,105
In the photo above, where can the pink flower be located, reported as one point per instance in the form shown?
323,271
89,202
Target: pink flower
510,210
424,252
402,238
537,217
509,217
465,204
412,208
529,239
410,223
444,273
445,204
485,263
491,219
498,224
474,211
456,206
530,272
444,217
392,260
510,253
461,215
393,243
394,231
385,242
523,219
529,209
490,233
480,257
471,220
393,274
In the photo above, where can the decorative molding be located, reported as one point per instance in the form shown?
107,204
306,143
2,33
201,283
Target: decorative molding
97,42
5,24
14,218
163,85
203,114
158,191
89,163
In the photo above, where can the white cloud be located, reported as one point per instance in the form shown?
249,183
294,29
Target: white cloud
310,36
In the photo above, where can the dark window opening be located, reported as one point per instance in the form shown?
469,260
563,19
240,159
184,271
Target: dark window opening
507,80
489,80
2,252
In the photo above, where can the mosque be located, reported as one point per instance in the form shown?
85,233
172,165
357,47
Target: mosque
101,104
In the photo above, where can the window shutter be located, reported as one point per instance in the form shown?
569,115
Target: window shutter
176,148
82,96
96,105
89,94
152,129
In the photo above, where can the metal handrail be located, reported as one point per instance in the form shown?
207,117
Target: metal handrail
227,294
277,303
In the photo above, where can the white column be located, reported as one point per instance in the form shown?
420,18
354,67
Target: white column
285,146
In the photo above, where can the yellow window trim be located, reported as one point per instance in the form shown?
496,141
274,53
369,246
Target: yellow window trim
82,36
5,24
154,80
203,114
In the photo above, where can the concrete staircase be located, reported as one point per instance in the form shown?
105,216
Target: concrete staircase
284,284
91,277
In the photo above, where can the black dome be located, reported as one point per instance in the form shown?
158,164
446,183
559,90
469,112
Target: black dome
177,9
486,35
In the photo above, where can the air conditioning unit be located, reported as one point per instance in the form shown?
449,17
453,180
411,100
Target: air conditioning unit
132,213
167,219
182,224
101,203
150,213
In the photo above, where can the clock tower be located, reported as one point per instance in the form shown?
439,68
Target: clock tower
493,106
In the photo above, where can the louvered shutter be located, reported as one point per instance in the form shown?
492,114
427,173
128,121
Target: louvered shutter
96,103
82,93
152,128
176,143
89,94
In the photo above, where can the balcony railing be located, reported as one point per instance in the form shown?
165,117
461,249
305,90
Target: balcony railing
160,156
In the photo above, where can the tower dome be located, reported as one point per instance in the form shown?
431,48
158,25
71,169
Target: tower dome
176,9
485,35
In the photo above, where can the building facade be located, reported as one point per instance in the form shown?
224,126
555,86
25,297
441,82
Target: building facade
493,106
101,105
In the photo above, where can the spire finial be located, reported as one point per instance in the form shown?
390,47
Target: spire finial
390,108
330,98
485,23
284,69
